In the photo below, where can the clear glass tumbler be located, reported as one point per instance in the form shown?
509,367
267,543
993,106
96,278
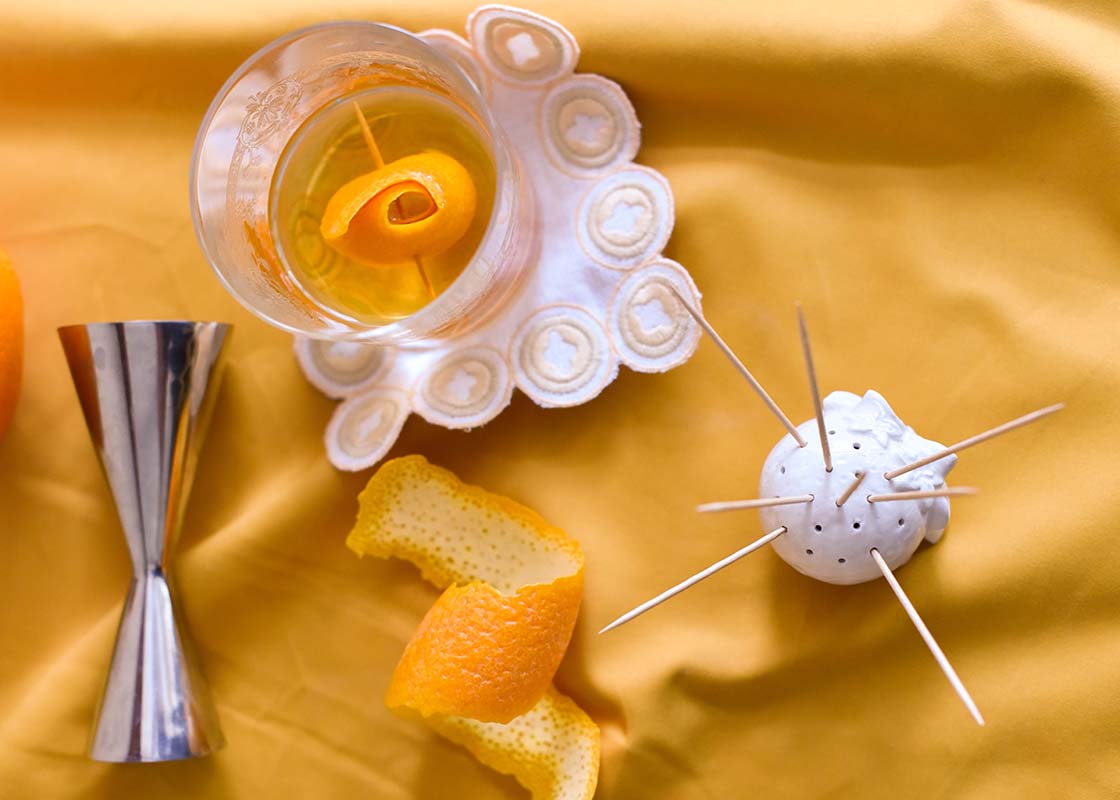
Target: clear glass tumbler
249,124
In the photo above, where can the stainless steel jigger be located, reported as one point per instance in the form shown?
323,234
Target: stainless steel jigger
146,390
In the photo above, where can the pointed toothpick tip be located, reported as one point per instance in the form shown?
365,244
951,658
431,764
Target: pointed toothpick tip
739,366
984,436
814,388
927,637
695,579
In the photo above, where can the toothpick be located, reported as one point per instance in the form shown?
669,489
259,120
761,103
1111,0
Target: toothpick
746,373
367,134
1026,419
762,502
817,407
378,163
423,272
851,488
695,579
955,491
931,643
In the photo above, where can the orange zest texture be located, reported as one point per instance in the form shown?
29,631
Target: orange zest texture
416,206
479,668
11,342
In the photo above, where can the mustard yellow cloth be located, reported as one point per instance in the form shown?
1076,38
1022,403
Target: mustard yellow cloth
936,182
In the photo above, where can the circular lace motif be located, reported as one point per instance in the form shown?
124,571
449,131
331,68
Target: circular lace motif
562,357
364,428
652,331
466,389
588,123
339,369
522,46
627,218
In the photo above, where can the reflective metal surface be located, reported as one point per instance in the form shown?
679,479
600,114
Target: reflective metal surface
147,389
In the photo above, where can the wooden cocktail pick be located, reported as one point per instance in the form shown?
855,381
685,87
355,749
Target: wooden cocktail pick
991,433
807,350
378,163
762,502
927,637
741,367
695,579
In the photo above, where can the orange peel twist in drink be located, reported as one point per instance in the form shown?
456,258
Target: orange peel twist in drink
414,207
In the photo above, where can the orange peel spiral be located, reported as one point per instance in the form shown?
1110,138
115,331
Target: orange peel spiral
363,222
11,342
479,668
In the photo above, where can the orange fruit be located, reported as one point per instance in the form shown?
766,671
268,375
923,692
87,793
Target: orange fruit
11,341
419,205
480,666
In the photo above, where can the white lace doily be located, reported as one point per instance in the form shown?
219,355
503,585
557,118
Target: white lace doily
599,292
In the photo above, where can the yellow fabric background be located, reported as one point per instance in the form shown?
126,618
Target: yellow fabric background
936,181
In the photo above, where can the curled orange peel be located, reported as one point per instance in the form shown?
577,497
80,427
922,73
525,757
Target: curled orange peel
11,341
364,220
479,668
